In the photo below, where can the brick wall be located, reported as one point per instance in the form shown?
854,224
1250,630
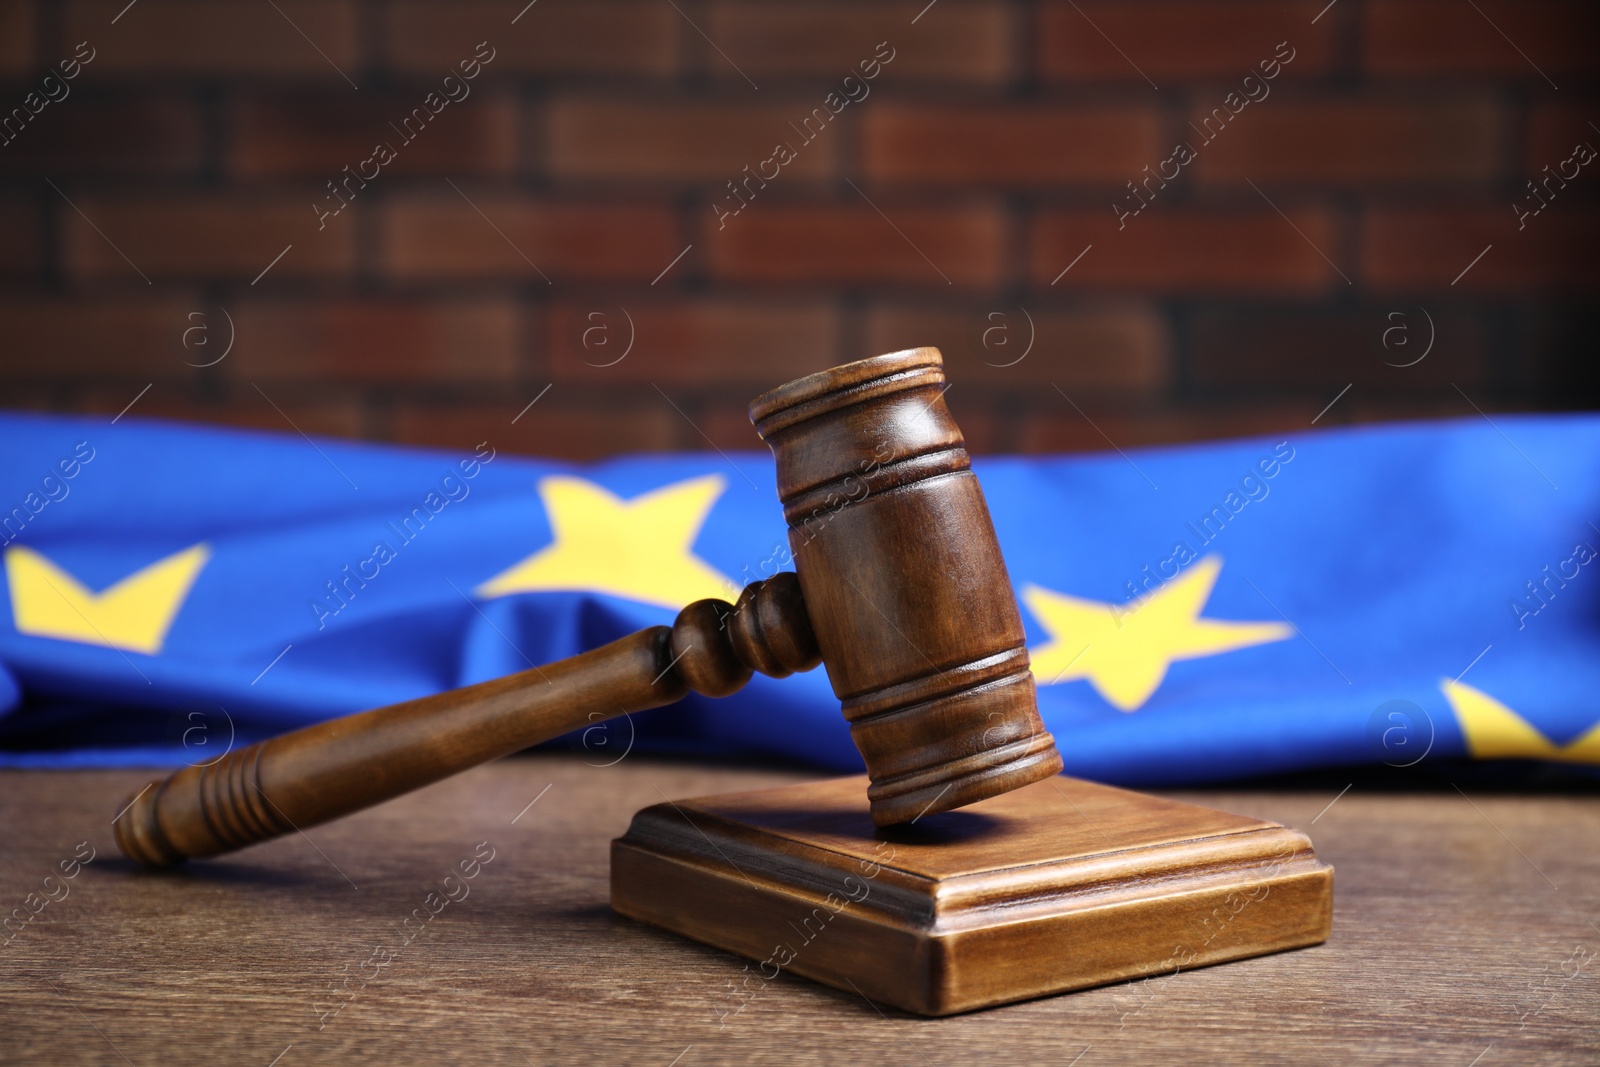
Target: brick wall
574,195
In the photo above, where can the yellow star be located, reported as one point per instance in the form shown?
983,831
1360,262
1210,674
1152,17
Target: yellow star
1494,731
1125,650
640,549
133,615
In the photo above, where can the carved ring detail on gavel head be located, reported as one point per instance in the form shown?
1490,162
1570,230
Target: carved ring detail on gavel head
898,588
904,584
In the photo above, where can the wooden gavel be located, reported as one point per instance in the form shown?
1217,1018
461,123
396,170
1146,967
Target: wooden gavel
898,588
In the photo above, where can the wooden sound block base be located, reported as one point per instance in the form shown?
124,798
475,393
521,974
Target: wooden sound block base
1059,885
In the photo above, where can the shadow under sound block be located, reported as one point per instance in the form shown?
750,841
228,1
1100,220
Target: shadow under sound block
1059,885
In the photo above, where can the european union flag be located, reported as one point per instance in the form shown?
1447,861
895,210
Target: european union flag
1381,594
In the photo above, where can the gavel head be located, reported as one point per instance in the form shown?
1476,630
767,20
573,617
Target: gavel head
904,584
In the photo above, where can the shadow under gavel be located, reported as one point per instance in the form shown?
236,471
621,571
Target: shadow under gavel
898,588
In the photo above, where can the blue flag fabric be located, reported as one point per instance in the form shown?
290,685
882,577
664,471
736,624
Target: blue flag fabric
1351,596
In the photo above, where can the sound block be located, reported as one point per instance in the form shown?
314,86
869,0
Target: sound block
1059,885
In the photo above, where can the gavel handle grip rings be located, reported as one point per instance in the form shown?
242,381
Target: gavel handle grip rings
333,768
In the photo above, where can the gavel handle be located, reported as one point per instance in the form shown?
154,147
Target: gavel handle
333,768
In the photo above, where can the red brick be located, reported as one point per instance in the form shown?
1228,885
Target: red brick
725,423
1363,143
719,342
1180,250
1425,250
126,136
727,426
26,396
435,237
632,38
1181,40
1357,408
1098,429
16,37
286,413
985,429
709,420
639,140
73,339
1320,352
1555,357
167,37
320,135
1419,38
20,240
441,341
1004,144
1116,348
852,244
955,42
1554,130
557,426
202,236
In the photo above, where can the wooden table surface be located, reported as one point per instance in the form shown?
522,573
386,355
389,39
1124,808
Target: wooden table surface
1464,934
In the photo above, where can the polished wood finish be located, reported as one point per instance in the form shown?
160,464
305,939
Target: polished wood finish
1059,885
905,585
1447,941
900,585
333,768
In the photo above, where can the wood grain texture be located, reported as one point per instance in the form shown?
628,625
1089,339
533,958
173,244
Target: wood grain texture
328,769
903,579
1447,941
898,581
1059,885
